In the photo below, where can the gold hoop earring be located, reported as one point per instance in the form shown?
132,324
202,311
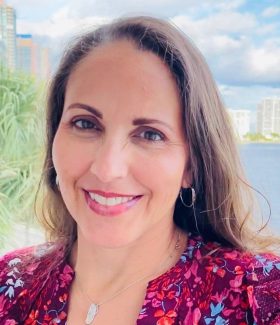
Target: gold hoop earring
188,191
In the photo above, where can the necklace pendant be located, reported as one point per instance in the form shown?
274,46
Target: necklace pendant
92,312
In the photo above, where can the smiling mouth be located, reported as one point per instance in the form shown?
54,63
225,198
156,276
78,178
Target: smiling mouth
110,205
110,201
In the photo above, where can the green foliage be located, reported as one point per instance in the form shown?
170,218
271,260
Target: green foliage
258,137
275,136
21,138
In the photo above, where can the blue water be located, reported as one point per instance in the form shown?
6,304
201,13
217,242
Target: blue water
262,165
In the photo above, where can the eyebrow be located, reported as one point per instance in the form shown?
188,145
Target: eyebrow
143,121
88,108
137,121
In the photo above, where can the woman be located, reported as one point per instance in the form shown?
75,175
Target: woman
145,201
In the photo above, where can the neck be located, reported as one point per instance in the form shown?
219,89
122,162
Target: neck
116,267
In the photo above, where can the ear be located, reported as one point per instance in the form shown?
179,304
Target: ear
187,179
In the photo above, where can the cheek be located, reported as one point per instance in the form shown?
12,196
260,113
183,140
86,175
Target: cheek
162,172
69,157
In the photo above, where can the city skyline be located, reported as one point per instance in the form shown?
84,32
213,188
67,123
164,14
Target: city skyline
240,39
20,52
265,120
268,116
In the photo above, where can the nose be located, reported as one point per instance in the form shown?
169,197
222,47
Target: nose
110,161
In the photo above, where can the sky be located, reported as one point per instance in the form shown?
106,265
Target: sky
240,39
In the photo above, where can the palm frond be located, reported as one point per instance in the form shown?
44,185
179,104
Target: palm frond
21,143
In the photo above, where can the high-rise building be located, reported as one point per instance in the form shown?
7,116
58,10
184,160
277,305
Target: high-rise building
32,58
241,121
268,116
26,59
7,35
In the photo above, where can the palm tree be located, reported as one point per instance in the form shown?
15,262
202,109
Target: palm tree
20,148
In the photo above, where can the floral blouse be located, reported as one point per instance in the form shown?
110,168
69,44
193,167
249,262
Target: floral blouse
209,285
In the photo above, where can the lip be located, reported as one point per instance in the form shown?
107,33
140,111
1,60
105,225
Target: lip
110,211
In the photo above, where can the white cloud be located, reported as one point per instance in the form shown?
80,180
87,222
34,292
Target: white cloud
27,3
249,65
222,22
271,11
59,24
246,97
227,40
267,29
231,41
272,42
121,7
85,8
265,64
231,5
162,8
224,42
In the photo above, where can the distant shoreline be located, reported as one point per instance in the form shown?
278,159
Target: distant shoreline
259,138
259,142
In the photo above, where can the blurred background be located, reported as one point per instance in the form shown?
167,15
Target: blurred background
240,40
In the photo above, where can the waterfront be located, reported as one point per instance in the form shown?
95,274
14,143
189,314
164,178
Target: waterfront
262,165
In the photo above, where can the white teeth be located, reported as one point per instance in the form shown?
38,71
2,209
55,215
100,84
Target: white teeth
110,201
100,199
118,200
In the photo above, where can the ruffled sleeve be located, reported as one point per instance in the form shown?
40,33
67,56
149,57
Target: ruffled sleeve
228,286
263,289
13,286
21,281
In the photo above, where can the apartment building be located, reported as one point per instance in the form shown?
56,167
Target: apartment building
268,116
7,35
241,121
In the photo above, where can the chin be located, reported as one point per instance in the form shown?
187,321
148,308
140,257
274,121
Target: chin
109,239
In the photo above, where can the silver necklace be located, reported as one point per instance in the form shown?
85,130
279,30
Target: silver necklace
94,307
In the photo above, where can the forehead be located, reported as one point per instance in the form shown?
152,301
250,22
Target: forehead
118,75
123,59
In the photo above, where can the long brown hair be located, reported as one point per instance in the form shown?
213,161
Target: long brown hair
224,203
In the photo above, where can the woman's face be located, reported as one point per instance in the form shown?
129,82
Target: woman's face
119,151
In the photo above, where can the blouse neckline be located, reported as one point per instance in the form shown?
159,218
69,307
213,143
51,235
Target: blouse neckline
160,282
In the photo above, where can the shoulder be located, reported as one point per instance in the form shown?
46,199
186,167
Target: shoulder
213,257
25,261
263,288
20,279
229,283
13,266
